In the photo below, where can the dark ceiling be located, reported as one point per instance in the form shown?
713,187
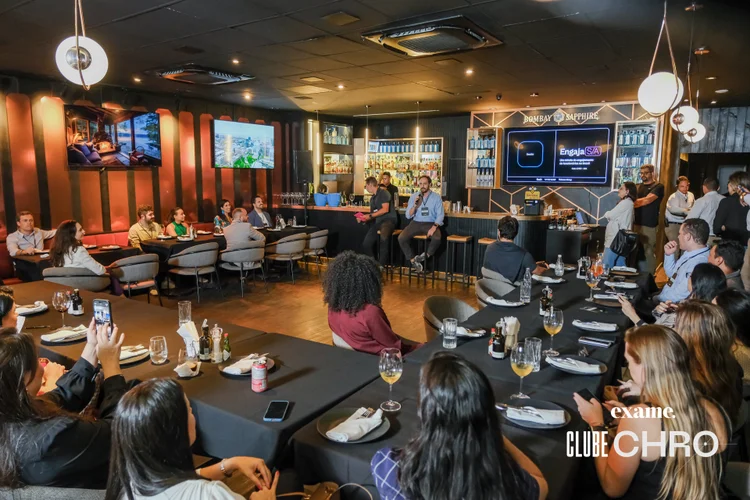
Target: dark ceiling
572,51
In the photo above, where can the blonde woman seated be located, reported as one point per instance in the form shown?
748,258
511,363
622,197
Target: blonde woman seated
68,250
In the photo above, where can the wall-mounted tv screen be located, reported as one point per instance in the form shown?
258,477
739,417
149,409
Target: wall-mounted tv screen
559,156
242,145
99,137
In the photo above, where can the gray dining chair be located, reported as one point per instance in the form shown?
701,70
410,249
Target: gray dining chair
316,246
50,493
486,288
137,273
339,342
437,307
196,261
288,249
77,277
245,259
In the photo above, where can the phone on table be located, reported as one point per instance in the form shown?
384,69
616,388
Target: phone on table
596,342
276,411
103,314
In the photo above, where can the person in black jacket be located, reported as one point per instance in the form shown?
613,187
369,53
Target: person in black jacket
43,440
731,217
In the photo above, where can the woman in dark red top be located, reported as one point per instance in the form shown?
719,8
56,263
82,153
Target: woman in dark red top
353,289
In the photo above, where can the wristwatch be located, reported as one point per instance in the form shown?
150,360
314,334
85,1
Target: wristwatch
223,470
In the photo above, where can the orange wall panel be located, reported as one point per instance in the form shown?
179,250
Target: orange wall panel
207,171
58,176
167,196
91,201
144,192
119,212
23,159
227,177
187,165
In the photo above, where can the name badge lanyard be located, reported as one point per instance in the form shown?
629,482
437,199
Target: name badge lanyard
674,276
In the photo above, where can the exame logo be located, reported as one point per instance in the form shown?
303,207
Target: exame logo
587,151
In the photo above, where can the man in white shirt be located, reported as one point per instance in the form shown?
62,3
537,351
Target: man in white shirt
678,205
705,206
240,232
28,239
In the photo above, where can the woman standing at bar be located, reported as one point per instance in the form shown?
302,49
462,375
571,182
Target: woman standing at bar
620,217
176,223
224,217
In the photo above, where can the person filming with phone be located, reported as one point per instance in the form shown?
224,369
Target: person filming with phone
425,211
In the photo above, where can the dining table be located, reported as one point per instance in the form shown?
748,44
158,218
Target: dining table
31,267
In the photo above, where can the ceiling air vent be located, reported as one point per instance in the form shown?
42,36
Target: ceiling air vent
200,75
441,36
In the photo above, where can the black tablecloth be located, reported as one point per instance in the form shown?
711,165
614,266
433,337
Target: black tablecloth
30,267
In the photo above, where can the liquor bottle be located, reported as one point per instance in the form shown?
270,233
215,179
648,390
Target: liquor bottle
620,138
204,345
526,287
76,304
498,345
650,137
334,135
627,138
226,348
492,142
546,301
472,143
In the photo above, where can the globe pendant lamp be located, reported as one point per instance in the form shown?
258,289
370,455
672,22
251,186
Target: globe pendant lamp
684,118
695,134
79,58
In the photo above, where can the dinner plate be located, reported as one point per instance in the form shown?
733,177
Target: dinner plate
218,234
184,238
273,229
135,359
536,403
615,304
587,329
69,340
622,273
89,247
334,417
590,361
510,304
111,247
270,365
202,232
164,237
299,226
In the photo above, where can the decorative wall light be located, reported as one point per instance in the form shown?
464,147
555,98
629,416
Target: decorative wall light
696,133
692,130
79,58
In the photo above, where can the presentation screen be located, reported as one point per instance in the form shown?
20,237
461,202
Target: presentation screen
243,145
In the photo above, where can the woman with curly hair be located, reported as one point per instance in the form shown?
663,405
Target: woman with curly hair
68,250
353,290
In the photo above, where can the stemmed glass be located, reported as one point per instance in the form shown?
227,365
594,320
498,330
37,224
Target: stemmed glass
61,303
553,323
351,198
391,366
521,360
592,279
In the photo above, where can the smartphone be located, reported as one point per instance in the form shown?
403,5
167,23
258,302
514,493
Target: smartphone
103,314
596,341
586,394
276,411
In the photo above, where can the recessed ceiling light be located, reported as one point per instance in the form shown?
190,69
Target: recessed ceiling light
565,104
722,91
311,79
235,61
534,94
478,97
702,51
340,18
469,71
528,105
340,86
247,96
710,78
713,102
136,79
604,100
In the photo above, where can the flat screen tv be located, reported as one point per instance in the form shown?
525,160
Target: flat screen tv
99,137
559,156
242,145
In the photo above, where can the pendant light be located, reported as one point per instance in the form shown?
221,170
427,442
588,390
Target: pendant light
684,118
79,58
661,91
695,131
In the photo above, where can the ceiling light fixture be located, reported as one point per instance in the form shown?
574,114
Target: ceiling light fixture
565,104
702,51
661,91
722,91
79,58
478,97
235,61
469,71
696,133
534,94
247,96
685,118
710,78
340,86
713,102
136,79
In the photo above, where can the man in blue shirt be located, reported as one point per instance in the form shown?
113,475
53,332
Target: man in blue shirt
692,239
425,210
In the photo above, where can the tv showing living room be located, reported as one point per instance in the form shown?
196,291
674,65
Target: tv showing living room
100,137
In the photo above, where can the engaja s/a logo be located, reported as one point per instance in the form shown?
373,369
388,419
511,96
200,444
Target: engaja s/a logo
587,151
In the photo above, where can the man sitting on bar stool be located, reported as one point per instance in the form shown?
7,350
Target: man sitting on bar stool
425,210
508,259
383,215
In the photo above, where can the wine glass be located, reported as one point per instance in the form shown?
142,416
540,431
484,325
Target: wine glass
61,303
351,198
521,360
391,366
591,280
553,323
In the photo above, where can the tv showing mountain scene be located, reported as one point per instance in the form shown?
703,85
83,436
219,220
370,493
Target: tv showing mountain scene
243,145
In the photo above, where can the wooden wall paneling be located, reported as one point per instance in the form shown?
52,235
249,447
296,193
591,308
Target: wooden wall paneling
144,193
278,160
91,201
169,170
746,133
119,208
731,128
188,165
60,202
7,200
244,180
23,158
721,135
132,205
739,130
208,173
104,190
709,146
37,125
226,180
258,186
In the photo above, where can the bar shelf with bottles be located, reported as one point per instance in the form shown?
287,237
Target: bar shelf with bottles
406,161
338,164
481,157
635,145
336,134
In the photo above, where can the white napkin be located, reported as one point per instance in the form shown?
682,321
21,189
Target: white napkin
20,320
44,255
189,334
621,284
64,334
132,352
605,296
39,306
503,302
546,279
354,427
200,231
575,365
548,417
188,369
595,325
463,332
512,327
625,268
244,365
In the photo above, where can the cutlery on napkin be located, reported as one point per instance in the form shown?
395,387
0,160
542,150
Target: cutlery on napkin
245,364
65,333
37,306
621,284
531,414
546,279
356,426
503,302
606,296
595,325
132,351
575,365
625,269
465,332
188,369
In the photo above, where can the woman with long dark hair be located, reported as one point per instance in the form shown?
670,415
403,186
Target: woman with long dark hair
353,290
68,251
175,223
151,439
460,451
736,304
620,217
43,440
8,315
224,217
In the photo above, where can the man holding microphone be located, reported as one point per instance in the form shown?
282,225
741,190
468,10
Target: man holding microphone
425,210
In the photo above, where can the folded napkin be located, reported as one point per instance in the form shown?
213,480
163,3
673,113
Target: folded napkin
512,327
200,231
65,333
44,255
539,416
38,307
189,334
605,296
355,427
595,325
503,302
244,365
20,320
188,369
463,332
546,279
621,284
625,268
575,365
132,352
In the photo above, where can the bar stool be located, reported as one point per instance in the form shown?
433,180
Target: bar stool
389,266
483,244
421,248
454,241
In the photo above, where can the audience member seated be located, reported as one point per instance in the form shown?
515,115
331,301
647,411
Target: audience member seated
620,217
28,239
257,216
175,225
44,441
425,211
152,434
353,291
705,207
68,251
736,304
224,217
731,217
145,229
692,238
508,259
659,362
240,231
460,450
728,256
